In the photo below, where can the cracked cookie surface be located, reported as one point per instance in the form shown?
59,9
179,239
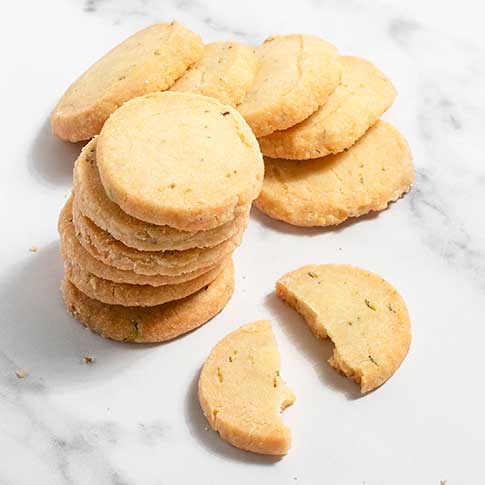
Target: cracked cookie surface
150,60
296,74
151,324
326,191
363,95
241,391
225,71
179,159
363,315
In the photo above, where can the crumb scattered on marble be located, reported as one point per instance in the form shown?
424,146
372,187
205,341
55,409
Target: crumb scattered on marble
88,360
442,482
33,249
21,374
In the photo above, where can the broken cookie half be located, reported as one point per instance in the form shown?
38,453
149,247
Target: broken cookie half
242,394
363,315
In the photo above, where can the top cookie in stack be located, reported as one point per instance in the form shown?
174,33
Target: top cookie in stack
161,200
316,116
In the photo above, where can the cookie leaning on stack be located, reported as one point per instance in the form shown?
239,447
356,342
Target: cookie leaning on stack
150,60
147,236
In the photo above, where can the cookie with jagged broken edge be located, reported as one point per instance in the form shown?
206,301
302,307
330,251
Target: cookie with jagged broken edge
126,294
150,60
71,249
151,324
92,201
296,74
363,95
225,71
326,191
241,391
179,159
112,252
361,313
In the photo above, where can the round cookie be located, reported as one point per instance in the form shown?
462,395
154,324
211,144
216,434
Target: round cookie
72,250
326,191
171,263
93,202
150,60
363,95
134,295
296,74
363,315
151,324
241,392
225,71
179,159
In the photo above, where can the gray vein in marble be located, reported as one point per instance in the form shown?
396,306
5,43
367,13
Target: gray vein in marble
447,115
75,440
155,11
91,5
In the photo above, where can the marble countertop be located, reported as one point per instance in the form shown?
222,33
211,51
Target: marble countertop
132,416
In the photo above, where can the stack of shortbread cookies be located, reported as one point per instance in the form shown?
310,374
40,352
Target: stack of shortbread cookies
161,200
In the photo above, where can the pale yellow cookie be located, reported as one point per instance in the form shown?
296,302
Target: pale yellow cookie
150,60
241,391
326,191
93,202
179,159
225,71
151,324
125,294
363,315
363,95
71,249
110,251
296,74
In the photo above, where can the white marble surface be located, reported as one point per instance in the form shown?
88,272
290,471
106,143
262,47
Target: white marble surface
132,416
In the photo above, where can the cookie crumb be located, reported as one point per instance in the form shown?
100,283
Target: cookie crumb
21,374
33,249
442,482
88,360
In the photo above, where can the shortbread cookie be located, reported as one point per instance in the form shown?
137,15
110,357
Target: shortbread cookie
179,159
363,95
241,391
363,315
296,74
326,191
151,324
150,60
110,251
225,71
71,249
134,295
93,202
